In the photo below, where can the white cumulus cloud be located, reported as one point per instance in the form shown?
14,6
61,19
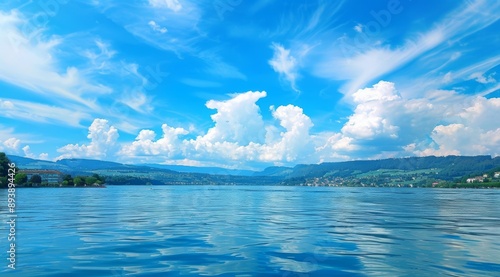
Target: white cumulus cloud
295,142
102,138
145,144
27,152
371,117
358,28
383,124
476,130
12,144
156,27
441,123
237,119
239,135
31,155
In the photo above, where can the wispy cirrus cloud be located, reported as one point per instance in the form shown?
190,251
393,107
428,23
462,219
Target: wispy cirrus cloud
63,92
284,64
172,26
200,83
458,77
100,57
216,66
364,67
315,20
138,101
28,61
173,5
359,66
42,113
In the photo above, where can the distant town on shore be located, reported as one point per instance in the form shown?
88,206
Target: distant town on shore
413,172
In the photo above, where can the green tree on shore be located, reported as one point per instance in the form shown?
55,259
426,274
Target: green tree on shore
21,179
100,179
79,181
36,179
5,164
68,180
90,181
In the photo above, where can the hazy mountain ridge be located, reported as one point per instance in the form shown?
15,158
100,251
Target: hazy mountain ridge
123,174
281,171
449,167
28,163
206,170
72,166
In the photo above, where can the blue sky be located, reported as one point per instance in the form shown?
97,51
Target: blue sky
249,84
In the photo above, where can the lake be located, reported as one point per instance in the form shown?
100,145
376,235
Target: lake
253,231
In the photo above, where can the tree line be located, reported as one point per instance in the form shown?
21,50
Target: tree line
4,170
21,179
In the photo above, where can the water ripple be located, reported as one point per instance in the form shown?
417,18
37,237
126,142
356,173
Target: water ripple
249,231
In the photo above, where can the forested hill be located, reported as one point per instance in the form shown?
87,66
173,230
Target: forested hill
422,168
77,166
447,168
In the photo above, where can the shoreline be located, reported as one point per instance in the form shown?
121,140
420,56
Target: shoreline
454,186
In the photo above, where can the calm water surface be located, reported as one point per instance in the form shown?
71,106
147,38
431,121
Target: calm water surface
254,231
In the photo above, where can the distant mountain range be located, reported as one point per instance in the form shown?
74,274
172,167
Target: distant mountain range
70,166
117,173
447,168
82,166
206,170
78,166
444,168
